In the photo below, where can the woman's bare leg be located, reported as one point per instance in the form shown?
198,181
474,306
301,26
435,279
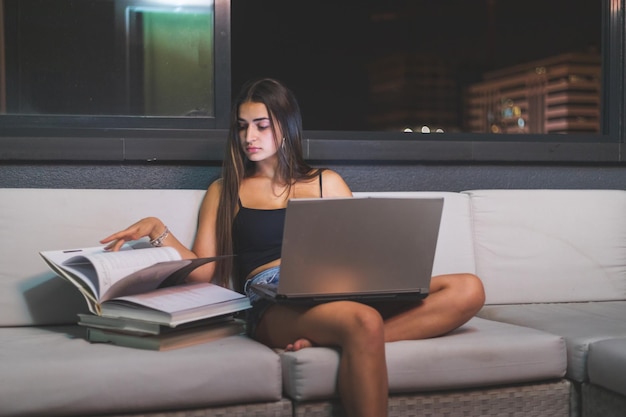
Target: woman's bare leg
360,333
452,301
355,328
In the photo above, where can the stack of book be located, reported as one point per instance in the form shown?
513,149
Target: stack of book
139,297
154,336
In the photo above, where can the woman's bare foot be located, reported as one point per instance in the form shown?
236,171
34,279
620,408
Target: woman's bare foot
298,344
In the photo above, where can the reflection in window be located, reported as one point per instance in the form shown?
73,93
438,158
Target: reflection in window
560,94
171,62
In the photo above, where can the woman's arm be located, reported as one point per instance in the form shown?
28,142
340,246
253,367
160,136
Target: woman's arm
205,244
153,228
333,185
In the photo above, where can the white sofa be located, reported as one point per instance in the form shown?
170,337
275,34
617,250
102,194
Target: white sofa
553,263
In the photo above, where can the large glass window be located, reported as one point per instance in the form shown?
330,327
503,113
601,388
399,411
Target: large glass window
483,66
154,60
501,80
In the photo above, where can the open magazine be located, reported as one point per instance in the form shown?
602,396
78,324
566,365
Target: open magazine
143,284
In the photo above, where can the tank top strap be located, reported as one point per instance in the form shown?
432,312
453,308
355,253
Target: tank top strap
321,190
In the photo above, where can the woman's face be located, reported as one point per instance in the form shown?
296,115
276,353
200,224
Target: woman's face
255,132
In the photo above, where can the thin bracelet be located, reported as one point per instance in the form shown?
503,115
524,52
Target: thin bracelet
158,241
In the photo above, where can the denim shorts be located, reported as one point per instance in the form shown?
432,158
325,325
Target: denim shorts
259,303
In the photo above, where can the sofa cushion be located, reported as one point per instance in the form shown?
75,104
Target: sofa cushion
480,353
579,323
455,247
34,220
537,246
606,364
53,371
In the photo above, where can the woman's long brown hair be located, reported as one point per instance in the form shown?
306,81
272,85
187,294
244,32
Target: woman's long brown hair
284,111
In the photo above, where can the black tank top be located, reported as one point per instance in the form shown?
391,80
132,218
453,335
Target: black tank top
258,236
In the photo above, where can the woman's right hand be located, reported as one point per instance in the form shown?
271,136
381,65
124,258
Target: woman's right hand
150,227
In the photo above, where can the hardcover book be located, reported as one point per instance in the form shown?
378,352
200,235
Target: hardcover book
175,339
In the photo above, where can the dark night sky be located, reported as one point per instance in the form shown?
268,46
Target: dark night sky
320,48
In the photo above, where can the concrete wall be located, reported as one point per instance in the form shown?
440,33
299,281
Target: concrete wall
360,176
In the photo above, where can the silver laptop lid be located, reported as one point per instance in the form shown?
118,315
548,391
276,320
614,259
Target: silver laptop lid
356,246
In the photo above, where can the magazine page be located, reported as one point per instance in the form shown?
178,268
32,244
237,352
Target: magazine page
159,275
88,285
105,268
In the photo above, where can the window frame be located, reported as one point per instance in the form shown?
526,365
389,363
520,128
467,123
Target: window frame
40,139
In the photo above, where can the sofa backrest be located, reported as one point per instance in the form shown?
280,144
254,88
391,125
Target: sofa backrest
537,246
528,246
455,248
34,220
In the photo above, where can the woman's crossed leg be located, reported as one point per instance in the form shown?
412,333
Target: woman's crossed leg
360,331
356,329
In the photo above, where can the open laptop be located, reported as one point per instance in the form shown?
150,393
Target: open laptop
363,249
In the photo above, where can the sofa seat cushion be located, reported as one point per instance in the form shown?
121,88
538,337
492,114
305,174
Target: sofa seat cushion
55,372
480,353
606,364
579,323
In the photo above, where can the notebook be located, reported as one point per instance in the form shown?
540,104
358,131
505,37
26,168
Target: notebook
362,248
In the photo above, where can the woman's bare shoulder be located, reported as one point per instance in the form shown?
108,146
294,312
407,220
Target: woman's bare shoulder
215,188
213,193
218,183
333,184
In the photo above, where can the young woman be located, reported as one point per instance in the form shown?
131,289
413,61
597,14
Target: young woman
243,213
